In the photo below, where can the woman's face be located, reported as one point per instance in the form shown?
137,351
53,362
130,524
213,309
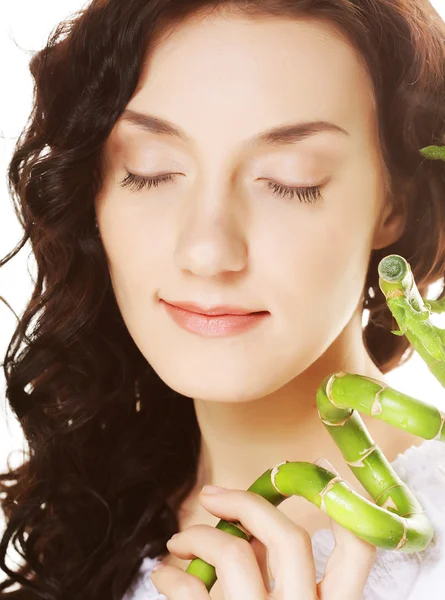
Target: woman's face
216,233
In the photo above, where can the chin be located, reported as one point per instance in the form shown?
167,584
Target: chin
235,382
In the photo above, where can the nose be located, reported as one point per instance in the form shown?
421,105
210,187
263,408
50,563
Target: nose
211,243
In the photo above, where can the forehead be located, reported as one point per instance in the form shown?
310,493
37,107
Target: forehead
232,77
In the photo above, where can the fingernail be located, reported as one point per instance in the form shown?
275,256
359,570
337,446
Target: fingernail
325,464
212,489
158,566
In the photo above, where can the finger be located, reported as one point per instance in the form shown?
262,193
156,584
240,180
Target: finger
235,563
176,584
261,554
289,545
350,563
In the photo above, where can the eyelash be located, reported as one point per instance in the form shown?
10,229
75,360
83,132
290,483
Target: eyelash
305,194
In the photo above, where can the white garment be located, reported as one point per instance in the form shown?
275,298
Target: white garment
395,575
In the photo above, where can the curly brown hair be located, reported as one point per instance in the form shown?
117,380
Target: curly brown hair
106,474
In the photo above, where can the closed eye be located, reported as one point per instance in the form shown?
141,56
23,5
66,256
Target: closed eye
136,182
305,194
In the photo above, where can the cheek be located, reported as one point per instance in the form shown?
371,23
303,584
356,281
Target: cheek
136,254
317,268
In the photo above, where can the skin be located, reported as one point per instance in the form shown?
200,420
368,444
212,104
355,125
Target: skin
217,235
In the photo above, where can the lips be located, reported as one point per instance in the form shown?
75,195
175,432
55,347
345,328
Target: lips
220,325
215,311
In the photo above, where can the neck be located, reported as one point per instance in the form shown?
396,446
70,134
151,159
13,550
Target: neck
241,440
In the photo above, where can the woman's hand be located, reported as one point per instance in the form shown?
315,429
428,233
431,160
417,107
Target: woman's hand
277,543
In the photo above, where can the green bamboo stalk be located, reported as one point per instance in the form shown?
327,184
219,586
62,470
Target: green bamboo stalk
396,521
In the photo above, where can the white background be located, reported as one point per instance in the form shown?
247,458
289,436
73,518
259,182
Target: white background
24,28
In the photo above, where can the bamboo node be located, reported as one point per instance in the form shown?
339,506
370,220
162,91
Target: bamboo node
327,488
388,489
337,423
359,462
394,294
389,503
376,408
274,473
410,514
403,539
329,387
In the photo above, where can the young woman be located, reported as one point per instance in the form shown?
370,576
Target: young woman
245,156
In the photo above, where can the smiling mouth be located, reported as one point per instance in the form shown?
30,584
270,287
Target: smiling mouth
214,325
216,311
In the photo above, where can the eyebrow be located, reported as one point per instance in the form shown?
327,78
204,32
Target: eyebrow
277,136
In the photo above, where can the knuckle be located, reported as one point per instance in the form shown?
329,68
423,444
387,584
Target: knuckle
195,531
238,548
190,588
298,538
198,528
